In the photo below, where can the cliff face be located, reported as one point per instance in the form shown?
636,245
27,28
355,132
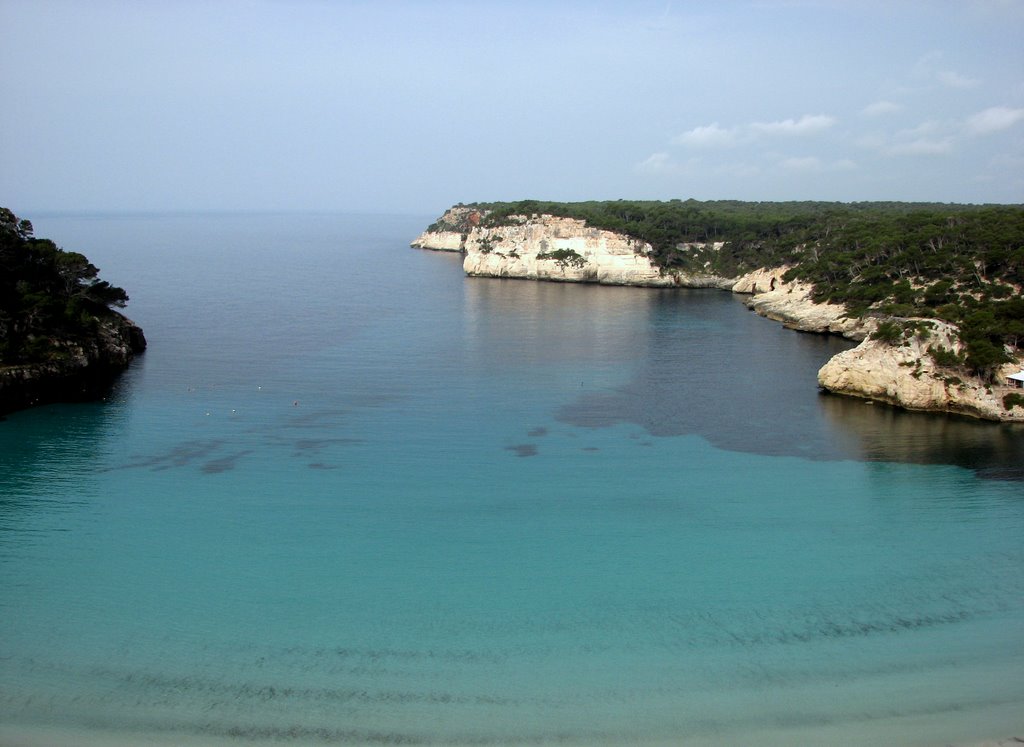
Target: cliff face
84,371
450,232
60,339
546,247
441,241
905,375
793,305
566,249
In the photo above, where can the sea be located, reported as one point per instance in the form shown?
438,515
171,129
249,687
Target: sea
351,496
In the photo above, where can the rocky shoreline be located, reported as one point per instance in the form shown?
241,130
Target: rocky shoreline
544,247
85,371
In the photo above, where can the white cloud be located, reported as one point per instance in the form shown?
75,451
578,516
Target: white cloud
994,119
956,80
930,138
657,163
715,136
926,128
708,136
807,124
880,108
927,72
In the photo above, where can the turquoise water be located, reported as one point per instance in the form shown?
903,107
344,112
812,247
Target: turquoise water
351,496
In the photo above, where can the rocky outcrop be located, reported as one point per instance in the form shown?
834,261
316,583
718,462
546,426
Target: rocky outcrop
560,249
794,306
450,232
84,369
545,247
441,241
905,374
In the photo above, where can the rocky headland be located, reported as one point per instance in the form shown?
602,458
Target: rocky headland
84,371
59,339
547,247
905,369
905,374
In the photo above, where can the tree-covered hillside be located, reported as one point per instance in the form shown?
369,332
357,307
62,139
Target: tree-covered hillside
48,297
960,263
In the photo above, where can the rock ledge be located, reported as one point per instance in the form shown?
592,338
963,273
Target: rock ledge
85,371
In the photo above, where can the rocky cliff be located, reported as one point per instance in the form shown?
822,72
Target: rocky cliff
793,305
545,247
906,374
60,339
85,369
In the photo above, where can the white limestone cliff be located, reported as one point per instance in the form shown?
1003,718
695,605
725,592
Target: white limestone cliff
451,231
794,306
545,247
440,241
904,374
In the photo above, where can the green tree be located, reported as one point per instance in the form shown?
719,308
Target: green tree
47,295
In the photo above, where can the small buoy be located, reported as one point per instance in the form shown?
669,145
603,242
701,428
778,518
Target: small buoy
295,403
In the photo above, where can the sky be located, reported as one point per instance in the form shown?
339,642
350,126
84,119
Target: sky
410,106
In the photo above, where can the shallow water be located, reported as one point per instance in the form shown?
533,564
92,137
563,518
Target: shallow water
351,496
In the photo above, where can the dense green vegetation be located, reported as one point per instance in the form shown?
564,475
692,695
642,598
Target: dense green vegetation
47,296
960,263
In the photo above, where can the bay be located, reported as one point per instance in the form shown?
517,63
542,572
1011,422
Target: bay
350,496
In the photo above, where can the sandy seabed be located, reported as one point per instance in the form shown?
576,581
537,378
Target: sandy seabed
30,736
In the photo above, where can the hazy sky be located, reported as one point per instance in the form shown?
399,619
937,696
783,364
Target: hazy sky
411,106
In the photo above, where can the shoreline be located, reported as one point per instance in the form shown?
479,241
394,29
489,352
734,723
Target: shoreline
904,375
50,736
87,373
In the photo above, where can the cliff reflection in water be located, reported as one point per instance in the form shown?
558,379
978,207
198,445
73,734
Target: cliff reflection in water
703,364
880,433
586,328
57,445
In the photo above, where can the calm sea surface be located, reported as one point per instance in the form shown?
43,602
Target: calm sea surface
351,496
